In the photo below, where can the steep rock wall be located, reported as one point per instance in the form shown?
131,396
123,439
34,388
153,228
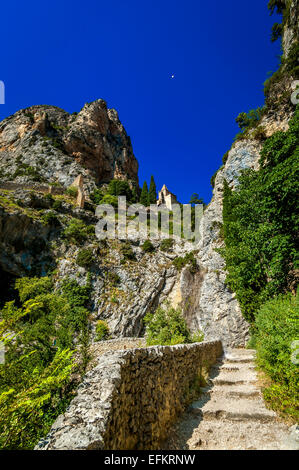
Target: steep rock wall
47,144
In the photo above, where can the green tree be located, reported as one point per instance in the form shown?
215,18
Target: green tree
32,393
152,191
279,5
120,188
166,326
144,197
195,199
261,223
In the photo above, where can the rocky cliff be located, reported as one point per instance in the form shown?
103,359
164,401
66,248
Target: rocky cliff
215,308
47,144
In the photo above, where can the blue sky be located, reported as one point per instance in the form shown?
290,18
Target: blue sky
66,53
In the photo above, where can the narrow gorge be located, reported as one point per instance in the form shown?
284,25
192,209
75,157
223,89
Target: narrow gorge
80,311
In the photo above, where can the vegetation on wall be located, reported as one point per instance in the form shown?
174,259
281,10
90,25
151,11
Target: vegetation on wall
261,234
167,326
276,328
40,329
260,223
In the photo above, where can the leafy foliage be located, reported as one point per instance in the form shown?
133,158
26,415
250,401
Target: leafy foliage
77,232
35,384
180,262
166,244
84,257
96,196
248,120
144,197
167,326
109,199
72,191
261,223
27,411
127,251
277,5
275,329
148,247
120,188
195,199
152,194
102,330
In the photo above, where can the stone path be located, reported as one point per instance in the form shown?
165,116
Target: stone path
231,413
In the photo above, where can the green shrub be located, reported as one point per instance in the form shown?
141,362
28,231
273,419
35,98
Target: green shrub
57,204
261,224
49,198
166,326
96,196
30,287
166,244
109,199
72,191
259,133
250,119
77,232
276,327
120,188
180,262
35,380
113,278
197,337
85,257
128,252
148,247
102,330
50,218
225,157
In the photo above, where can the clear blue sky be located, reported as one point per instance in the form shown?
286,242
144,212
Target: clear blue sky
66,53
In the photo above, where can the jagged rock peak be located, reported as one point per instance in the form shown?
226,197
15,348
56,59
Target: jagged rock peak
47,144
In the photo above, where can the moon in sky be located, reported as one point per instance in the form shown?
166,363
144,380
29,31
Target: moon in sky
172,76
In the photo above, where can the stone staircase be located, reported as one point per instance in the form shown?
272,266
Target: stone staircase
231,413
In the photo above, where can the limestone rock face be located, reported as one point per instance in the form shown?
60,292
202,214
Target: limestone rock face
47,144
291,29
216,309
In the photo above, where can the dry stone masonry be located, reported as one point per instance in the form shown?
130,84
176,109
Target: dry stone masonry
132,397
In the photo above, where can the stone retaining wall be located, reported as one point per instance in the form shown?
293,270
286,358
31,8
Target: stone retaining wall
10,185
132,397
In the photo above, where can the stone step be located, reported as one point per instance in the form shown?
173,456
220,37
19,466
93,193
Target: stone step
233,378
240,355
239,435
232,391
234,410
241,352
239,360
234,367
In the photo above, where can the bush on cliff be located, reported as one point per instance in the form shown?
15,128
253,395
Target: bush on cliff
102,330
84,257
77,232
148,247
261,224
275,331
167,326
